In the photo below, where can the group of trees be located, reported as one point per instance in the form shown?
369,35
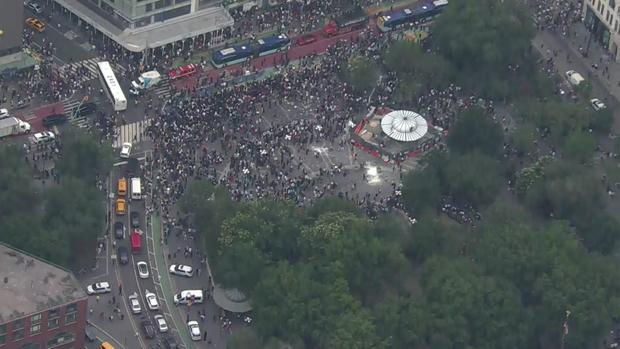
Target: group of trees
56,221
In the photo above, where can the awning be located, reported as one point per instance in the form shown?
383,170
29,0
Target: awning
231,300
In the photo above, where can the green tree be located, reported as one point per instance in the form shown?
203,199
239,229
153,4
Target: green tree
473,35
474,178
473,310
240,266
422,190
329,204
405,322
580,146
432,236
83,156
243,338
16,191
524,138
427,67
476,131
361,73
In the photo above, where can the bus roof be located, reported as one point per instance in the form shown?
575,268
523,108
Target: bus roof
105,70
237,49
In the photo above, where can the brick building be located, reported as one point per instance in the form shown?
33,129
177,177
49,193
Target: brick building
42,306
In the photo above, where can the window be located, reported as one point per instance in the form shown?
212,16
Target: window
35,319
70,318
3,329
52,314
148,8
71,308
612,3
2,339
31,346
60,339
18,334
18,324
34,329
53,323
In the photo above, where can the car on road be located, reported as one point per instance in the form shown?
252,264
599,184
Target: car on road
134,303
121,206
182,71
162,325
143,270
151,300
170,343
43,137
148,328
54,119
99,288
35,24
182,270
123,254
305,39
194,330
35,7
126,150
597,104
86,109
4,113
135,219
119,230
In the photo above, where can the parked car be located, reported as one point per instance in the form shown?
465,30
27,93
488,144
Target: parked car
134,303
4,113
123,254
181,270
135,219
151,300
306,39
170,343
119,230
126,150
597,104
143,270
182,71
35,24
43,137
194,330
162,325
148,328
99,288
35,7
55,119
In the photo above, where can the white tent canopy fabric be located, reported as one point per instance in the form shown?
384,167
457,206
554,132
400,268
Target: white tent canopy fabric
404,125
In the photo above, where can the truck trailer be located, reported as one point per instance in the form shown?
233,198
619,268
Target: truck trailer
13,126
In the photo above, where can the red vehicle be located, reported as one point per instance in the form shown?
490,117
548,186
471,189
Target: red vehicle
182,71
136,242
305,40
353,19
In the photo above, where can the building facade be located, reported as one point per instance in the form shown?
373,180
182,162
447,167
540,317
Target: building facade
142,26
11,25
602,18
42,306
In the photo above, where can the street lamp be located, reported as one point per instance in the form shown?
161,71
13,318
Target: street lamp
84,99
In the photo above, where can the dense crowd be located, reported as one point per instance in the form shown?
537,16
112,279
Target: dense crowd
556,15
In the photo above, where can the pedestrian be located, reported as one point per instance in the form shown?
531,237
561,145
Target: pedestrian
97,298
204,337
120,289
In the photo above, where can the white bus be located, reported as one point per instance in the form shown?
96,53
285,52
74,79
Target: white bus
136,188
111,87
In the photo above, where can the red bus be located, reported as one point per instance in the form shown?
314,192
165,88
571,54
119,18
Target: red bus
136,242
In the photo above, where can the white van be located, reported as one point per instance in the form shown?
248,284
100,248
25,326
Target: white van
136,188
185,296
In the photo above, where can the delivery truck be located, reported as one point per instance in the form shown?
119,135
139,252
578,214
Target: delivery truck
146,80
13,126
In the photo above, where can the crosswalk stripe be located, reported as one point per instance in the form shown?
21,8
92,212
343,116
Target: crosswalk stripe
134,132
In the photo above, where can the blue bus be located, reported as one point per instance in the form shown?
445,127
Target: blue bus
421,12
271,44
232,55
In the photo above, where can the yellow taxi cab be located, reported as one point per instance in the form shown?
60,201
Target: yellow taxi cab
35,24
121,206
106,345
122,186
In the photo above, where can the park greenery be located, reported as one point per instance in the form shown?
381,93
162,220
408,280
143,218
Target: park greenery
61,220
327,277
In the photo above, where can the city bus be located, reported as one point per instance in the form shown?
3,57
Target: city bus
111,87
420,12
232,55
272,44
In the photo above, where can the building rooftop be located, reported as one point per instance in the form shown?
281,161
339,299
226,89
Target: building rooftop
157,34
29,285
